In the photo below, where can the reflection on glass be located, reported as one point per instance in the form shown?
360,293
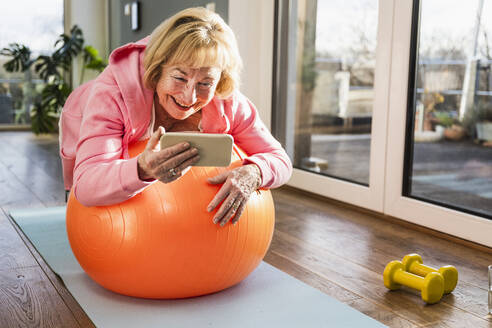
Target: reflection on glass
451,162
336,42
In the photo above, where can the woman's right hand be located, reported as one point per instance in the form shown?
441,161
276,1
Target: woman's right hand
165,165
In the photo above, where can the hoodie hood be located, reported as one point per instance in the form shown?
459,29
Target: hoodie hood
126,64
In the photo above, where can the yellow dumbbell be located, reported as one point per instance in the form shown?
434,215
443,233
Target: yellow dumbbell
431,287
413,264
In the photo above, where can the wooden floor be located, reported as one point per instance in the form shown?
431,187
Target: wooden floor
340,250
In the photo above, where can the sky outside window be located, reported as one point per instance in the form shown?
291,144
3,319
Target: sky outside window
448,22
36,24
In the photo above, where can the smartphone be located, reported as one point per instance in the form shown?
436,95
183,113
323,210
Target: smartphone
214,149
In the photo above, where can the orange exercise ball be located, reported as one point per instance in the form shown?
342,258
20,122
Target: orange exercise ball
162,243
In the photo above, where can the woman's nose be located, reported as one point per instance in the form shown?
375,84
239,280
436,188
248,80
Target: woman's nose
189,95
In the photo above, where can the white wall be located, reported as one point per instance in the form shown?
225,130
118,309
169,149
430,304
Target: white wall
253,23
91,17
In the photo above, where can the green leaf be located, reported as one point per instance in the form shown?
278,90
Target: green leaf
21,58
92,60
69,46
46,66
90,53
43,120
54,95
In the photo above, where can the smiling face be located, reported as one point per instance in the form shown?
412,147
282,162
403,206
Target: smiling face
182,91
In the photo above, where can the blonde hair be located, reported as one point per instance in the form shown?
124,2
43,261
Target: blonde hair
196,37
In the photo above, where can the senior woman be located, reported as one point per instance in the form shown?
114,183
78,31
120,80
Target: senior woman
184,77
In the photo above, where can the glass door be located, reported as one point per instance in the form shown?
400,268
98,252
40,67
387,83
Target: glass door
449,156
385,105
439,164
335,87
332,74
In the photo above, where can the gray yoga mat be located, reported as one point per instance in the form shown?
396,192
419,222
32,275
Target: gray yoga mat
267,298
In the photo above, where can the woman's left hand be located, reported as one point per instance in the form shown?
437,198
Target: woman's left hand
239,183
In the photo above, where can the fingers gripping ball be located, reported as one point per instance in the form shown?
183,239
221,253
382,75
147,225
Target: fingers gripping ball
431,287
162,243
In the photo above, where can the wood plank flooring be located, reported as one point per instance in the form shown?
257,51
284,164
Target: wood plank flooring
31,295
337,249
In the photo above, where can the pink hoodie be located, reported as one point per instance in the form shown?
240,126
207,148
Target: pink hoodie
102,117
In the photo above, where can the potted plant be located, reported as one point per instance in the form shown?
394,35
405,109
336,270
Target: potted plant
430,100
55,71
453,130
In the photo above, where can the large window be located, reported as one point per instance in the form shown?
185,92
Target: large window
387,105
36,25
449,146
333,50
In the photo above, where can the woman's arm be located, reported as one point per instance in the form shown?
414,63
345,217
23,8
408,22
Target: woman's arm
101,175
267,165
251,135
